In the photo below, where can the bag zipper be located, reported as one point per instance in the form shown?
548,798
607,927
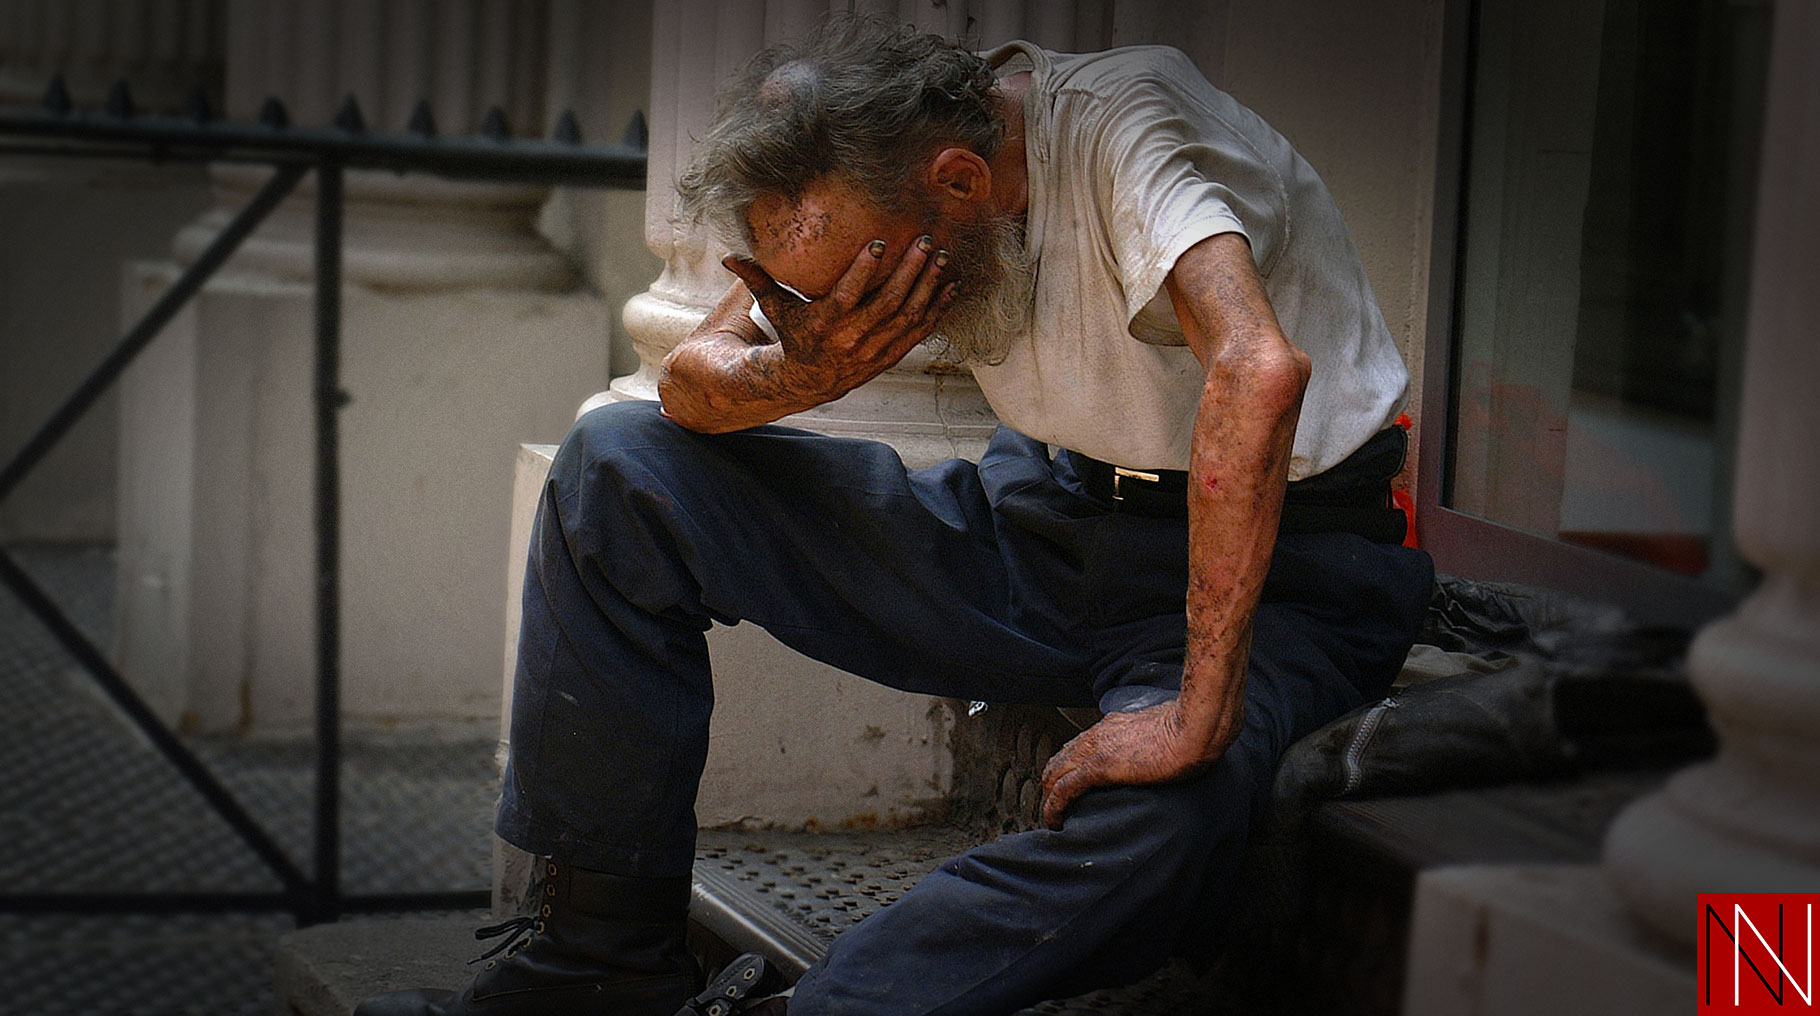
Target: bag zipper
1361,739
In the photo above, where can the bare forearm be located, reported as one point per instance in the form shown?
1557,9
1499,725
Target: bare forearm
1238,471
716,383
1242,439
1239,467
730,375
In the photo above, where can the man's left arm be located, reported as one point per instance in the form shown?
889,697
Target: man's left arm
1237,474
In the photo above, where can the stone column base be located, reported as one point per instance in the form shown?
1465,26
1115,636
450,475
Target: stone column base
1515,941
216,515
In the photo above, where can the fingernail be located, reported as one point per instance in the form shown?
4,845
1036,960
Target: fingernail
925,243
877,247
941,259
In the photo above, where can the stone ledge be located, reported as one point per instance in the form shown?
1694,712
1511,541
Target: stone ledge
328,969
1510,940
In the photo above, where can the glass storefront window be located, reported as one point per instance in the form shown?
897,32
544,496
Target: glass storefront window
1610,170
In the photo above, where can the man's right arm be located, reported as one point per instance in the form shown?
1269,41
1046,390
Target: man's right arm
729,375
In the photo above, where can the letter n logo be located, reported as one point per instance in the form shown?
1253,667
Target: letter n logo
1756,953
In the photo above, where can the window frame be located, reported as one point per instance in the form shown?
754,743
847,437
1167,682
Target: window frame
1463,544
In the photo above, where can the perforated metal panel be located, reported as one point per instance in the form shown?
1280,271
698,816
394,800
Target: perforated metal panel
789,894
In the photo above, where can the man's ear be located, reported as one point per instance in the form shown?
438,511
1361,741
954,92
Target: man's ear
960,176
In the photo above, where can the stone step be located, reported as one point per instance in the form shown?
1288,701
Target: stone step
1328,909
326,970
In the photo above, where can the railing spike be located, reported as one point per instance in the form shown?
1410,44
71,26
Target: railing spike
422,120
196,106
567,131
637,135
348,118
494,124
272,114
57,97
119,101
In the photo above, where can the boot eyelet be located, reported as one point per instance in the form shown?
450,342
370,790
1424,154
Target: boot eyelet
491,964
538,927
546,910
550,869
549,890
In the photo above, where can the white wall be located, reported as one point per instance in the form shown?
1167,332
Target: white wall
68,226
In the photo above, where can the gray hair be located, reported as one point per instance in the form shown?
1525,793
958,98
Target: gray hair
862,99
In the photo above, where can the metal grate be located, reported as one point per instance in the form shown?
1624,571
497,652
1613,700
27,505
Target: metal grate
139,965
88,807
800,890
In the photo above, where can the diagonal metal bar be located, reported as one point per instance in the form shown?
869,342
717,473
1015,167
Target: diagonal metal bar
329,400
117,689
148,327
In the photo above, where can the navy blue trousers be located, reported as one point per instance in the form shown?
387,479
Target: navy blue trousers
1001,582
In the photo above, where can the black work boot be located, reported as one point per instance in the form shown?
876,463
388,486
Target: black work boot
598,943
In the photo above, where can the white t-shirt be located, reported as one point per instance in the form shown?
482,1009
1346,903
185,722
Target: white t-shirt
1134,158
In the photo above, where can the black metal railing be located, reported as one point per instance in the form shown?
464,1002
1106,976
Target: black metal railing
117,131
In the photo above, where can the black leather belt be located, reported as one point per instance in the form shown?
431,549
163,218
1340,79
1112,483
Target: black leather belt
1351,497
1156,493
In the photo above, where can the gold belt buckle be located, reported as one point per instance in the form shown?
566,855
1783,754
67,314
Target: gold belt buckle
1119,473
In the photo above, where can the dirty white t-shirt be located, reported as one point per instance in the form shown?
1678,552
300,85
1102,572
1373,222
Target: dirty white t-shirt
1133,159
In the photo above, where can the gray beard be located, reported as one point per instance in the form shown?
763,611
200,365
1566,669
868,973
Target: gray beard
994,301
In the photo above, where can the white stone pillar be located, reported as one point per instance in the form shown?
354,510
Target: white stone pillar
1749,820
689,56
460,340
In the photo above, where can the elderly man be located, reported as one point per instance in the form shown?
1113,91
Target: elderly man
1184,520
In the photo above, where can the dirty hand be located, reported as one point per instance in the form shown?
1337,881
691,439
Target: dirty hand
839,342
1151,745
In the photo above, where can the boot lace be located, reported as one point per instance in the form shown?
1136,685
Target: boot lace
517,931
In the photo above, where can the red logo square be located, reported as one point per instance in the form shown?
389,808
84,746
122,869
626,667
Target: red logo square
1756,953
